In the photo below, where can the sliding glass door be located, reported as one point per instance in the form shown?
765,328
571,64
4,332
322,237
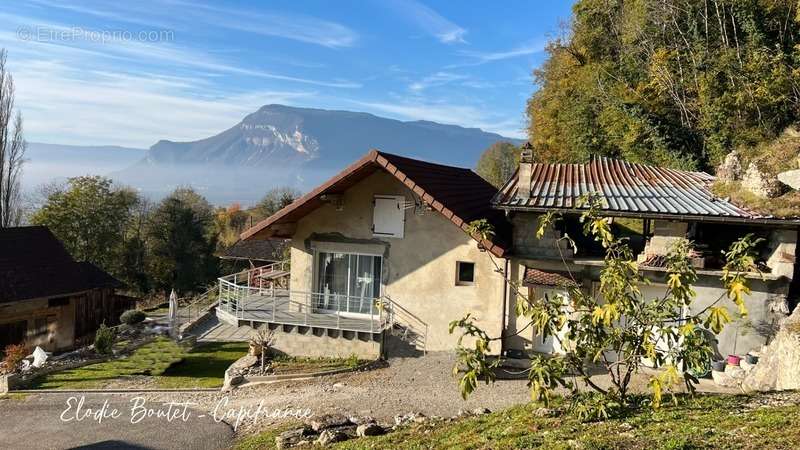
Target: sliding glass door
347,282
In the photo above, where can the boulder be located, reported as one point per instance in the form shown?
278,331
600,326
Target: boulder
330,437
481,411
760,183
291,438
328,421
369,429
778,365
731,168
244,362
790,178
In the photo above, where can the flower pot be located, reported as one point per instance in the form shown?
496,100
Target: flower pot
734,360
751,359
718,366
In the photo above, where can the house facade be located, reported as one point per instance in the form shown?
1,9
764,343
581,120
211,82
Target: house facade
381,259
653,207
47,298
385,240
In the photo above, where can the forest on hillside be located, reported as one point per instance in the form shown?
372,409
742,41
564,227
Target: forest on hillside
678,83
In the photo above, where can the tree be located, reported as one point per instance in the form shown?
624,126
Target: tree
498,162
619,328
91,217
12,150
275,200
678,83
181,242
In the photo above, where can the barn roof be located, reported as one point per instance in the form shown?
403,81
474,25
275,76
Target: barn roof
34,264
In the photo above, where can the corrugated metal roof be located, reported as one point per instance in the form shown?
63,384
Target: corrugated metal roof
622,187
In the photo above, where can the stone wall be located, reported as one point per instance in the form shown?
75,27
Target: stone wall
783,252
527,244
665,234
323,343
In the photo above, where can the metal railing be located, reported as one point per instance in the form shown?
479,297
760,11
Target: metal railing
241,299
412,329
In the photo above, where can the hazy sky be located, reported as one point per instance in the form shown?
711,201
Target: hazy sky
133,72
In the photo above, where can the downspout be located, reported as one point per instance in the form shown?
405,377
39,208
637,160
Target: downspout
505,308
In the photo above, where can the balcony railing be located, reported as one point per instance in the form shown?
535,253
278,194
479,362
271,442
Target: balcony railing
245,296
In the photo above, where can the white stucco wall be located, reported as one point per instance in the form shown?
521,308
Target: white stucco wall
419,270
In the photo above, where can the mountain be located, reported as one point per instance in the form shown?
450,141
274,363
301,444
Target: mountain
282,145
54,162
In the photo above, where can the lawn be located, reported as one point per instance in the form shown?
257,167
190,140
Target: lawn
160,364
706,422
282,365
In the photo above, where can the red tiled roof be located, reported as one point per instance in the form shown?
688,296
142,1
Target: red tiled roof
541,278
459,194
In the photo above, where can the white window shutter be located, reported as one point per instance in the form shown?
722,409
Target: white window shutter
388,216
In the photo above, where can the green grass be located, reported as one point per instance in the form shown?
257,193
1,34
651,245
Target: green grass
204,366
706,422
290,364
165,362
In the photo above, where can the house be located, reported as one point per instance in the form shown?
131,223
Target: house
381,259
380,246
46,297
653,207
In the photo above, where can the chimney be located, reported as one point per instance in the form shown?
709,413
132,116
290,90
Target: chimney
525,170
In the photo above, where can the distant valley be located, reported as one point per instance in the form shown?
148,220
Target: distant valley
276,145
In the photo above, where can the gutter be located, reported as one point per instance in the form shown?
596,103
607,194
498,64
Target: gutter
781,223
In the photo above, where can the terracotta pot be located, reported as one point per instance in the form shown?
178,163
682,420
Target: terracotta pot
734,360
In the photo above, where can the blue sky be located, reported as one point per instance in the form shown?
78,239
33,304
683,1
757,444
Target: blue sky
131,73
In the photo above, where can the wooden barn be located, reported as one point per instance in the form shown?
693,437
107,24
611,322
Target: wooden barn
49,299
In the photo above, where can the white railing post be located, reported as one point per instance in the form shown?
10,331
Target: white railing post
371,318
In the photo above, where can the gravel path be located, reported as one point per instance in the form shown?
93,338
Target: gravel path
405,385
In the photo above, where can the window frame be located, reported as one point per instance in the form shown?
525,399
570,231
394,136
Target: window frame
459,281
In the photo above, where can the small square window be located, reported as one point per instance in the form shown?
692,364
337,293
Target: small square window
465,273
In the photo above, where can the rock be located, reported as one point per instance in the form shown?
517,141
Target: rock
328,421
360,420
723,379
481,411
735,372
330,437
760,183
409,418
778,365
544,412
244,362
369,429
790,178
731,168
291,438
746,366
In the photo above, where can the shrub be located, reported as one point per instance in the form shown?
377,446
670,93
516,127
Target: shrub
104,340
132,317
14,354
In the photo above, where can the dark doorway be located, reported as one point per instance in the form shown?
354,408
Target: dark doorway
12,333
